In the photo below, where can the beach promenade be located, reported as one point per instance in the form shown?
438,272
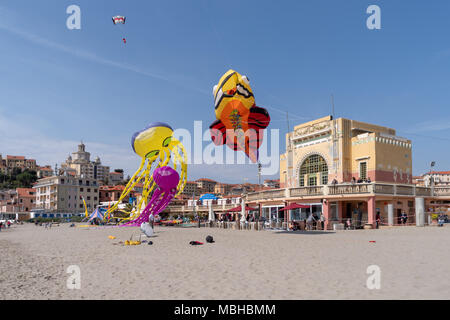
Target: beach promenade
414,264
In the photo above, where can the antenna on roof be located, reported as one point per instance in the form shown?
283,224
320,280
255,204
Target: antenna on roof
332,106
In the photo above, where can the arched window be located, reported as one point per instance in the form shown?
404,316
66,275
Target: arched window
313,171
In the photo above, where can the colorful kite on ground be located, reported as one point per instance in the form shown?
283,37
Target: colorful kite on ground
240,123
157,147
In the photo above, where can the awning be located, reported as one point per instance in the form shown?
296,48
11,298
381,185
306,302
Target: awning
295,206
239,209
208,196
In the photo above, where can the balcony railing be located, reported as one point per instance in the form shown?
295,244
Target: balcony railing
306,191
441,191
359,189
200,208
351,189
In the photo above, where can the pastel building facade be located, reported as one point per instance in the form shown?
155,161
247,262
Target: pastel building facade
9,163
66,194
342,169
325,149
17,204
436,178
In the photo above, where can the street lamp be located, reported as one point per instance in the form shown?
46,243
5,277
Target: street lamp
432,164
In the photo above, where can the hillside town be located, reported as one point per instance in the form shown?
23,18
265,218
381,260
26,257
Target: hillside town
60,191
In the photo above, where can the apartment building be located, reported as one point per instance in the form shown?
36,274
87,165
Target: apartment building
10,163
17,203
66,194
44,172
206,185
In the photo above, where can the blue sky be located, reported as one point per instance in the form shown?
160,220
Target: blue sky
59,86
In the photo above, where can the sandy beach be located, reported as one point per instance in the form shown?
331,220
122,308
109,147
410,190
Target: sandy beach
414,264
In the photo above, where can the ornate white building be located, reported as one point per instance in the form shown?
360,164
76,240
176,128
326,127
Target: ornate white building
79,164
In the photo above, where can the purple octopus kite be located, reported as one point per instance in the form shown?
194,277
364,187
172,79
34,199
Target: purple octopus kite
166,180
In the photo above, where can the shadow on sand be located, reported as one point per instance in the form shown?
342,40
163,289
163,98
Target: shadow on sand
312,232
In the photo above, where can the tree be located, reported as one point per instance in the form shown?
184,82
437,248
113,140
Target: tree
26,178
18,179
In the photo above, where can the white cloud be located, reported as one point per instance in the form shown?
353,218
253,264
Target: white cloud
431,125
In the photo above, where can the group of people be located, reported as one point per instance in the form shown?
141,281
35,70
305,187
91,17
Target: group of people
361,180
47,225
312,222
441,220
6,224
353,181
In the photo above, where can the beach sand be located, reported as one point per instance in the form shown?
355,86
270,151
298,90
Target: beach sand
414,264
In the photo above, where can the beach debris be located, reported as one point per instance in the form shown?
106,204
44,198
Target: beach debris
111,237
210,239
372,241
195,243
147,229
150,243
132,243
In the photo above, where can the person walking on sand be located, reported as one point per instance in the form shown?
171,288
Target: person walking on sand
348,224
310,221
404,217
377,219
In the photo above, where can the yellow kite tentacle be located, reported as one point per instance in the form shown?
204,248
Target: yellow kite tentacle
175,145
149,183
129,186
86,209
182,161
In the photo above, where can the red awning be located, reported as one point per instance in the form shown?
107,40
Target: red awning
295,206
239,209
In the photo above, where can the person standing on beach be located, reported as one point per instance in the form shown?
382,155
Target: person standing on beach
377,219
404,217
310,221
322,221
